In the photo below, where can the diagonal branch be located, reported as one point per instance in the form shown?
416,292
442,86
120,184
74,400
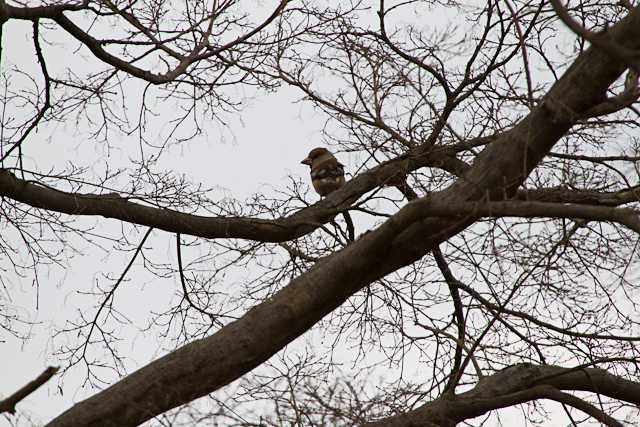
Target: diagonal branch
519,384
586,407
9,404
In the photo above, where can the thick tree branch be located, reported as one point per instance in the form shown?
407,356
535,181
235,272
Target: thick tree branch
553,202
587,197
298,224
33,13
626,216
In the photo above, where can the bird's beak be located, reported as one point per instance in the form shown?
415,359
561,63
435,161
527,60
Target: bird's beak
306,161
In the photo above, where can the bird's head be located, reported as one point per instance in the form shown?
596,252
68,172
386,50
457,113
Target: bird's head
315,154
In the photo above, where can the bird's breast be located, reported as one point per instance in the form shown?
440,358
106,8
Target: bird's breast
327,185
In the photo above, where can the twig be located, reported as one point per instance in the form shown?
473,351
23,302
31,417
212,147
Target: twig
211,316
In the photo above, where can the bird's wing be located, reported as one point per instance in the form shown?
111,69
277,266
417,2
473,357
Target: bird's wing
330,168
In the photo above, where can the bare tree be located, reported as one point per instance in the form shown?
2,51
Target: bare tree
493,148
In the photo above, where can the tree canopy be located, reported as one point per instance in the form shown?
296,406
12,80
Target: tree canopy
492,153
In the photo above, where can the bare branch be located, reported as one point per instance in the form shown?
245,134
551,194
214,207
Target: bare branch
601,40
518,384
9,404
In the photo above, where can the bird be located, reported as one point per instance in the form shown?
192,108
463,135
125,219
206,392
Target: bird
327,173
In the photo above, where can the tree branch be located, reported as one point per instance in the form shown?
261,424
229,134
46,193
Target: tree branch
519,384
568,399
452,283
47,93
9,404
298,224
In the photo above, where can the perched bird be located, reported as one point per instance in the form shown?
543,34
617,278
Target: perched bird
327,173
